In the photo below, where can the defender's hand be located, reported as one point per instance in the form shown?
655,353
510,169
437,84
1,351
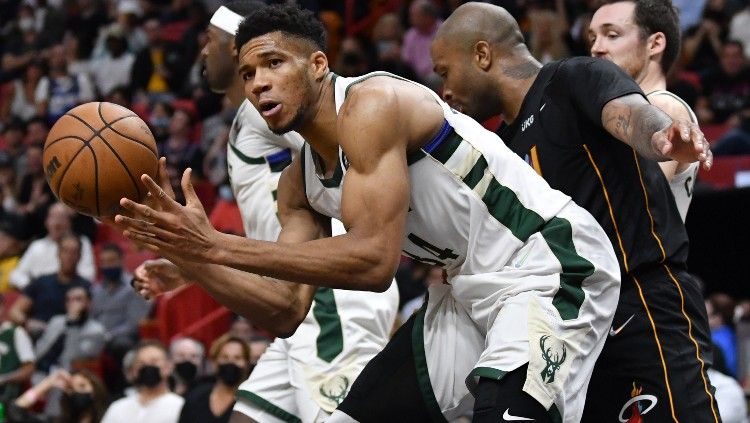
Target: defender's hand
156,277
683,141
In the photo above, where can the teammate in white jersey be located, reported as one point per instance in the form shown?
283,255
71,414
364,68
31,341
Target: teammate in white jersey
643,38
532,278
303,377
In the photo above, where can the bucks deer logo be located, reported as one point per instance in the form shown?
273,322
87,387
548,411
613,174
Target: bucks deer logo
553,361
335,389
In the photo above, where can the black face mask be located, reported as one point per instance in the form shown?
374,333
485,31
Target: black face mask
230,374
186,370
148,376
79,402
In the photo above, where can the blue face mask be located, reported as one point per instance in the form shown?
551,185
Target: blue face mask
112,273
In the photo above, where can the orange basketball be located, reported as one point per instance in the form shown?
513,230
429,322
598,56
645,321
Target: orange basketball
95,154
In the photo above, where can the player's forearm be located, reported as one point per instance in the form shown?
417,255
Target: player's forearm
343,262
274,305
635,123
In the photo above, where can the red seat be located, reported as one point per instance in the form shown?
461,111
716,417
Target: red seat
724,171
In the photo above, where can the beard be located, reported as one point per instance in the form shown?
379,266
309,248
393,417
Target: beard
294,124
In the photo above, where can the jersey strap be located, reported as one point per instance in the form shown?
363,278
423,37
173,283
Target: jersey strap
277,161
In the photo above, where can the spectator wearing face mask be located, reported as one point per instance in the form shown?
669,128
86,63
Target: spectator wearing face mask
212,402
187,354
83,399
153,402
118,308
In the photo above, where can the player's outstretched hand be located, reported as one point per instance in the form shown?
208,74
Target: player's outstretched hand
170,228
156,277
683,141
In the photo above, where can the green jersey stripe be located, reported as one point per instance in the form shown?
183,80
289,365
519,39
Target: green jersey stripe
267,406
445,150
476,173
246,159
503,205
420,364
575,269
330,341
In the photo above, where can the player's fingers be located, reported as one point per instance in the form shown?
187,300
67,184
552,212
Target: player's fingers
191,198
699,140
163,178
142,212
164,199
709,159
684,130
148,242
129,223
660,142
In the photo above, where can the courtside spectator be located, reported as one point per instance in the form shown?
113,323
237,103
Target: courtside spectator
187,354
153,402
41,256
212,402
44,297
16,358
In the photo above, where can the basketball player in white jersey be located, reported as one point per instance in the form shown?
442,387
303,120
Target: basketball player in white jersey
307,375
532,278
643,38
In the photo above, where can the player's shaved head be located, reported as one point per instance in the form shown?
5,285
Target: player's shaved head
474,22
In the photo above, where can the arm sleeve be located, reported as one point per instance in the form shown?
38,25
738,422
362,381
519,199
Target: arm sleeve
591,83
24,349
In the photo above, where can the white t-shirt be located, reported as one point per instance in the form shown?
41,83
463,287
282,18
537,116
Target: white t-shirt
729,397
41,259
165,409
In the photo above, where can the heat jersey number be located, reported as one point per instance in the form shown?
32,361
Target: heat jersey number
440,253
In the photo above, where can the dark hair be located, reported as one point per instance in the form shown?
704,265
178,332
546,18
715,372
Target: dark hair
654,16
286,18
97,408
113,247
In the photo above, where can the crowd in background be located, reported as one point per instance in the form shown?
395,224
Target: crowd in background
70,288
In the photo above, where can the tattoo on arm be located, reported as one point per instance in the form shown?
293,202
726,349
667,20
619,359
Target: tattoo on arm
632,120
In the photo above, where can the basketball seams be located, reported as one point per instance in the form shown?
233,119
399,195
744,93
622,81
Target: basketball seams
124,166
96,179
75,137
122,162
109,126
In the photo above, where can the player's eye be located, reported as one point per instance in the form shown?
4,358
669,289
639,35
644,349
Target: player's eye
612,35
275,63
246,76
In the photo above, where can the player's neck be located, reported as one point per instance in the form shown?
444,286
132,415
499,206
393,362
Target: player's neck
513,94
319,129
652,78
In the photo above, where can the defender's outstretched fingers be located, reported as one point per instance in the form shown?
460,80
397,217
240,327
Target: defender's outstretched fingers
151,242
163,177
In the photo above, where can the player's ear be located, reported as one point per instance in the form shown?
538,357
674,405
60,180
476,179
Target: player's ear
483,55
233,50
656,43
319,65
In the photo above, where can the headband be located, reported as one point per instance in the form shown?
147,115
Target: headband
226,20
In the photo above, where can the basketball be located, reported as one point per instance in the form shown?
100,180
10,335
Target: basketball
95,154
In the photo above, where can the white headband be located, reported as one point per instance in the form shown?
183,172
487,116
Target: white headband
226,20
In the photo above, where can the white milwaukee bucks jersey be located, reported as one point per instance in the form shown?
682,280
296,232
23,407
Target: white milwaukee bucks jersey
532,278
309,373
682,183
255,158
